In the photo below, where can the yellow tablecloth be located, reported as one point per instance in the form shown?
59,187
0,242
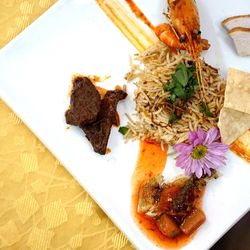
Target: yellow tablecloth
41,205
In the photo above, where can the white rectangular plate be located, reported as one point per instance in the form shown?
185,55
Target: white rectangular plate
75,36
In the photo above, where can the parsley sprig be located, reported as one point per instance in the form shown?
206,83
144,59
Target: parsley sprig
183,83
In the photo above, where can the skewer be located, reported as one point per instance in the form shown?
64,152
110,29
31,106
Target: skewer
200,80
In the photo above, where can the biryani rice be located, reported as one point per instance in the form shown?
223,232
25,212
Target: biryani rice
152,69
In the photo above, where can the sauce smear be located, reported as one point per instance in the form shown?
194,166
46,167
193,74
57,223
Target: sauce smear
136,10
241,146
151,162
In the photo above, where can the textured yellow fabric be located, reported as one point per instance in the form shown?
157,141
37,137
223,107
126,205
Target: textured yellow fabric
41,205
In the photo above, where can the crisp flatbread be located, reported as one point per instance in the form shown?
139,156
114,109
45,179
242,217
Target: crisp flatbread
234,118
232,124
237,94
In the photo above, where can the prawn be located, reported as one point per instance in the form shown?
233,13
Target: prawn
183,30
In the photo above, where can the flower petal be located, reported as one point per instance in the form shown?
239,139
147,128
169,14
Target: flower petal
194,166
185,164
183,148
198,170
207,163
215,161
207,170
206,166
218,148
182,160
201,135
212,135
188,170
192,136
214,156
211,165
197,142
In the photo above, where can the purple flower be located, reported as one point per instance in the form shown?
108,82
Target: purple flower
203,152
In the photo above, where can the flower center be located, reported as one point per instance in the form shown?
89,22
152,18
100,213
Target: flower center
199,152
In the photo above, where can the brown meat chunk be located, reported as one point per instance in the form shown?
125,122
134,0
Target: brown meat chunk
109,104
167,226
98,132
193,221
84,103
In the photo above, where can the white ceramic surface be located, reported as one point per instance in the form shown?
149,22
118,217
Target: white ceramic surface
75,36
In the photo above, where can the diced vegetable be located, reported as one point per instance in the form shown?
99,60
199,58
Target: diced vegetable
167,226
123,130
192,221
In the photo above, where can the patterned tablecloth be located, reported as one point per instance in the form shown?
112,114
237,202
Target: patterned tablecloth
41,205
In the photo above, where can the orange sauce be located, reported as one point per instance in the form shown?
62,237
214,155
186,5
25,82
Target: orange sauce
151,162
136,10
102,91
108,150
94,79
241,146
118,87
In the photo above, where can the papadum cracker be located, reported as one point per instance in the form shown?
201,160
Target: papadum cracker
234,118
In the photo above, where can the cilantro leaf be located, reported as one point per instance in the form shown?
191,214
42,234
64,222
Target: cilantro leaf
181,74
183,83
173,97
179,91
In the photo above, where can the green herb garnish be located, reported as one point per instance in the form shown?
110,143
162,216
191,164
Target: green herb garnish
183,83
123,130
205,109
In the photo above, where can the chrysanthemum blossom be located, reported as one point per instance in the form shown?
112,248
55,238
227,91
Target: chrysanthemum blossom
203,152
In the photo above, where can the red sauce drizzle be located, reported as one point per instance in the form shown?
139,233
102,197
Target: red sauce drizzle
134,8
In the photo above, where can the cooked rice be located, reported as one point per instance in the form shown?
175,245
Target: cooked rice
153,68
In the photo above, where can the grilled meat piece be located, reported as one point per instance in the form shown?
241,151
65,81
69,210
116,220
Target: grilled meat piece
98,132
84,103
